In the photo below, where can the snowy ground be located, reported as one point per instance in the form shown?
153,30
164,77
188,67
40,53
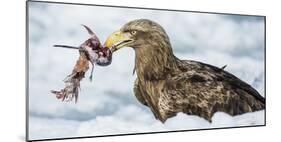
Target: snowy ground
107,105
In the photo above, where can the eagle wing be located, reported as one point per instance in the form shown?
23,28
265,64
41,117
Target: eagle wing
199,89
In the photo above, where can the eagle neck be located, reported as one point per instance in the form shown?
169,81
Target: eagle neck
154,61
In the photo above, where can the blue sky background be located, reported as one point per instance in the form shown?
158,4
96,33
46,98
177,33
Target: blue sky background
107,105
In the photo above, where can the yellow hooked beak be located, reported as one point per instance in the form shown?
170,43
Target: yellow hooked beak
117,40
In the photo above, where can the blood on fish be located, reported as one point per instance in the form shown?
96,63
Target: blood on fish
90,51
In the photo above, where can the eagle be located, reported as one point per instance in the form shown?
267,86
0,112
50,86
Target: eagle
168,85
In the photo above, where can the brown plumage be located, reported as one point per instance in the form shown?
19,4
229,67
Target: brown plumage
168,85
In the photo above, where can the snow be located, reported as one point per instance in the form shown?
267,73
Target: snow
107,105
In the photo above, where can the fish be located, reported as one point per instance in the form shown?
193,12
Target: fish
91,52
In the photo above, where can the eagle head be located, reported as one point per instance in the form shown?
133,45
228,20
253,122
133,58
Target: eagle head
137,34
154,55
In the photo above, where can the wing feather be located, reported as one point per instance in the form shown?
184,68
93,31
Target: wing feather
202,89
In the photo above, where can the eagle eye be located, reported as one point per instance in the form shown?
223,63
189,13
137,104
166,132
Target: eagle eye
133,32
